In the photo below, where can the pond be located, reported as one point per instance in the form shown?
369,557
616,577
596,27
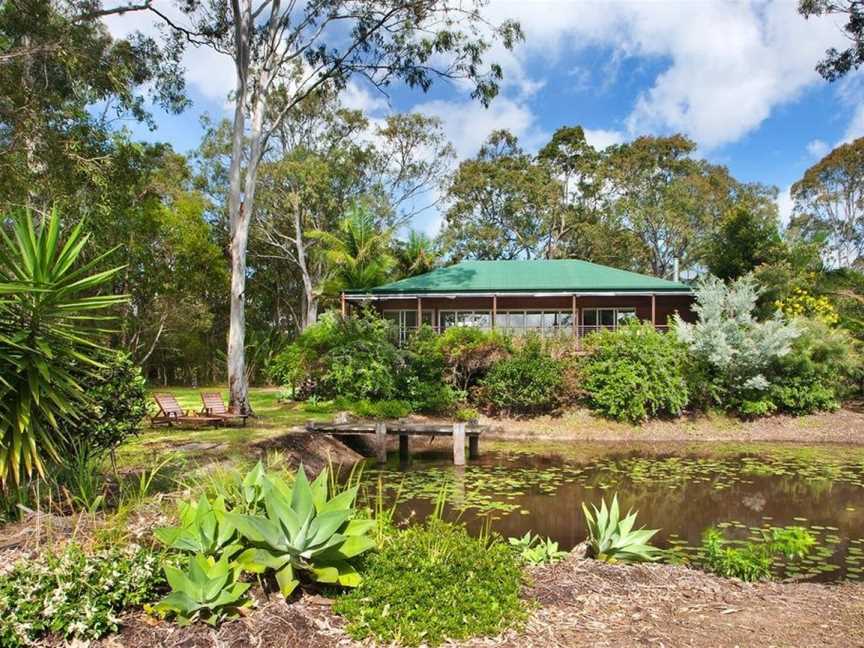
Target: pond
680,489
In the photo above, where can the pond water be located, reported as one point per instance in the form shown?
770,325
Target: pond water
682,490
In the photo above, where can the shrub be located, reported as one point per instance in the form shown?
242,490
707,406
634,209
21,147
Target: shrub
386,409
528,382
117,405
635,373
612,539
817,373
469,352
732,350
74,595
420,377
466,414
435,582
348,357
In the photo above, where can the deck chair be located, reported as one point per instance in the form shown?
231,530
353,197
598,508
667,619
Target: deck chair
215,406
170,413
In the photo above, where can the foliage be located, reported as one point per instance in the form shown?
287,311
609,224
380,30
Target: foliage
466,414
203,529
744,240
731,348
528,382
301,528
116,406
827,203
635,373
801,303
469,352
533,550
416,255
749,563
49,316
206,591
612,538
420,375
385,409
836,63
73,594
819,371
350,357
753,560
434,582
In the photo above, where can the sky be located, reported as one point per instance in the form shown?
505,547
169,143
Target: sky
736,76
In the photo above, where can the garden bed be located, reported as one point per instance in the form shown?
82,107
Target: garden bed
580,603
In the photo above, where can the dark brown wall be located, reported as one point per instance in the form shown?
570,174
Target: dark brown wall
665,306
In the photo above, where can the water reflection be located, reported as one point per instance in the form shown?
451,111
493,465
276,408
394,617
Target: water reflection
680,491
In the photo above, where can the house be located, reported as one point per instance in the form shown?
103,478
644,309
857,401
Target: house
567,296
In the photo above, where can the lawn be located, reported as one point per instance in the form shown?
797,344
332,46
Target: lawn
272,418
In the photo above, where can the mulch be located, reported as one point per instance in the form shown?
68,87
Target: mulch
576,603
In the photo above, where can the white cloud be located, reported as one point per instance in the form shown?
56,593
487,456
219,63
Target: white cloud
601,138
727,64
785,205
817,148
468,124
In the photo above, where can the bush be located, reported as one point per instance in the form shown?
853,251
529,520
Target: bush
469,352
118,404
432,583
753,560
420,376
387,409
732,351
635,373
74,595
817,373
528,382
348,357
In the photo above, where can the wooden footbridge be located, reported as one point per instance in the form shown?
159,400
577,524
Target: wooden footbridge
458,431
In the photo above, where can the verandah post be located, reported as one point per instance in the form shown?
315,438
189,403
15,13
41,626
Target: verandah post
653,310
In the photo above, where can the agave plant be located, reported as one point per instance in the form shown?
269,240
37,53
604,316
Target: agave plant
206,591
49,326
302,529
534,550
612,539
203,529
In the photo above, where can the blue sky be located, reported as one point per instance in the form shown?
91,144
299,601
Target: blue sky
735,76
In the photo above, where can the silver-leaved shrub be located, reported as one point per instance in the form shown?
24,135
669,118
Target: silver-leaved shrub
732,350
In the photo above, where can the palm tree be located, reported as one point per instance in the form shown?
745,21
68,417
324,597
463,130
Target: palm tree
417,255
358,254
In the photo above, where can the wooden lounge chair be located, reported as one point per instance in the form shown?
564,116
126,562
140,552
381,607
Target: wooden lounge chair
215,406
170,413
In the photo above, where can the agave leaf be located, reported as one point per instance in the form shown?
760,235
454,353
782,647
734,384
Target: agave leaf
257,560
257,529
301,497
319,489
358,527
341,502
287,581
325,525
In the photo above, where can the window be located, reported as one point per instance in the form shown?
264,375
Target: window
543,322
596,318
405,321
476,319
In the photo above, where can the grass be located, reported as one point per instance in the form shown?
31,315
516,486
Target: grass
273,419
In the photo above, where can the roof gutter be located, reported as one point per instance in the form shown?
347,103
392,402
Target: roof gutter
379,297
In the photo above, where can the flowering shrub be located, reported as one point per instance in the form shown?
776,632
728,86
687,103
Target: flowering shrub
802,304
74,595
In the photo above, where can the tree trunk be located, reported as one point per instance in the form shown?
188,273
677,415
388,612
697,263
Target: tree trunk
310,299
238,215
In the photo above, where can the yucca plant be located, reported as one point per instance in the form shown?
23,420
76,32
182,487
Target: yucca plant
303,529
612,538
208,591
50,318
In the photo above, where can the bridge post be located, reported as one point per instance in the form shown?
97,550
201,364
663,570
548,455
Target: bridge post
474,446
404,447
381,441
459,444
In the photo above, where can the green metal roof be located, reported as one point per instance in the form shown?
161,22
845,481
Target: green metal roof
564,275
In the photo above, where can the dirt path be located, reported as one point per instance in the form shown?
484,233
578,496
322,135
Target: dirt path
581,603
